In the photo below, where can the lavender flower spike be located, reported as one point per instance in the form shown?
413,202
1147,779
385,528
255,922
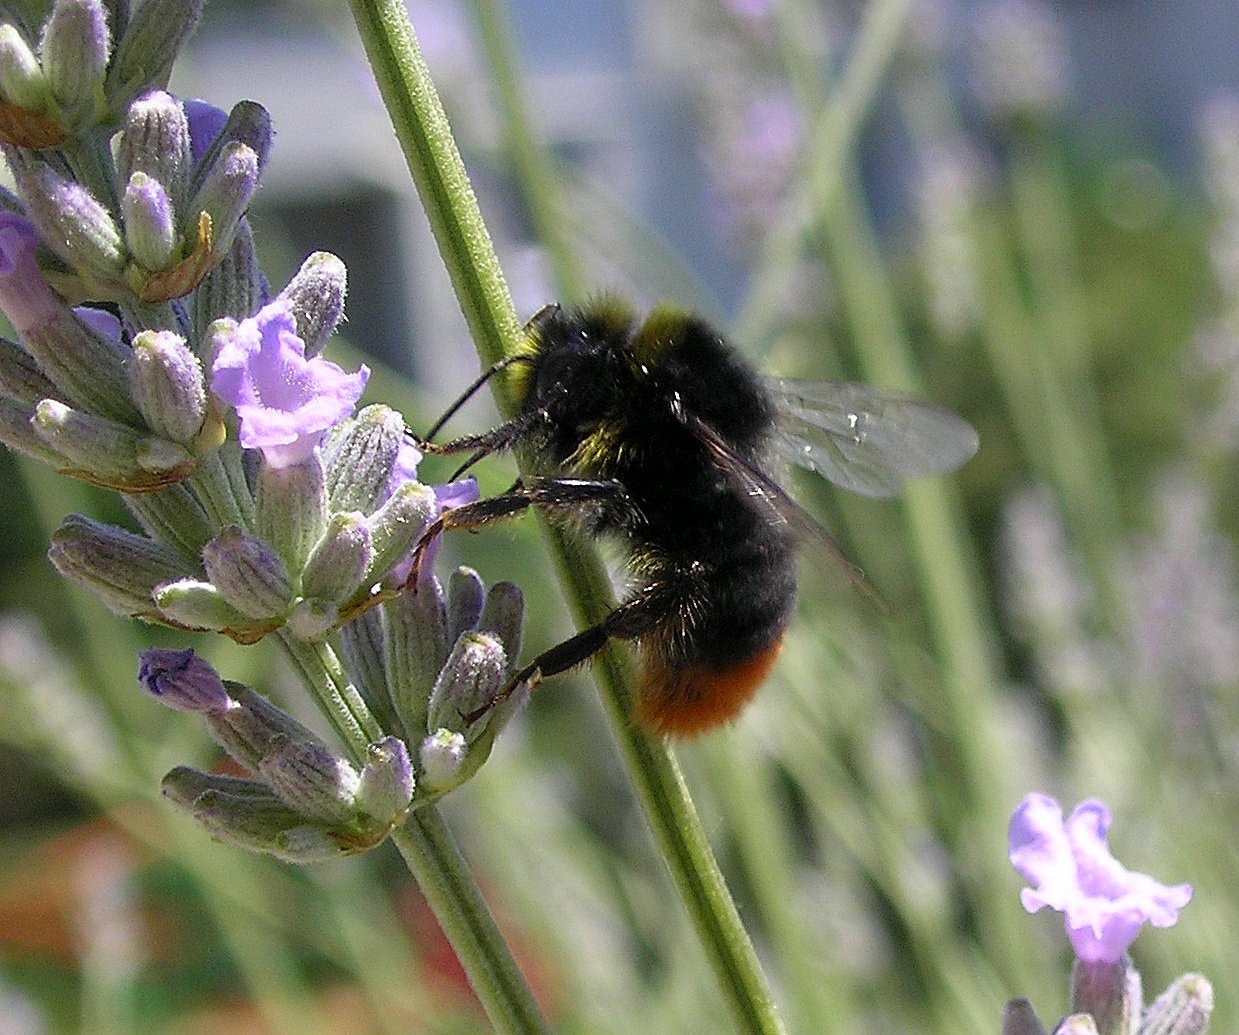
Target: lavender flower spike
285,402
1071,869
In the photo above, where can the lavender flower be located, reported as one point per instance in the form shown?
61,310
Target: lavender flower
1072,870
182,680
286,403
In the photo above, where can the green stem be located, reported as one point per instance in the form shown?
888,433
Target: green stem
669,809
541,186
465,245
435,164
827,155
337,698
443,875
216,492
940,547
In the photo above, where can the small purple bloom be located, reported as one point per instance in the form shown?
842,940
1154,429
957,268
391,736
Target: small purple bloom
285,402
182,680
205,123
25,296
1071,869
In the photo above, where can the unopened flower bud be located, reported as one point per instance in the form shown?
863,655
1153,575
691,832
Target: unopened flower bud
249,573
167,385
195,604
503,616
386,785
416,648
255,728
87,368
75,49
104,452
465,595
182,680
73,223
247,814
155,142
316,299
225,193
1019,1018
17,432
291,508
339,561
312,779
1183,1009
312,619
22,81
150,223
150,43
122,568
20,376
359,455
473,675
442,757
396,526
248,123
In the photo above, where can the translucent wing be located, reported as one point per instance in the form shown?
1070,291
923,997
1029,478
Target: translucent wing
865,439
749,481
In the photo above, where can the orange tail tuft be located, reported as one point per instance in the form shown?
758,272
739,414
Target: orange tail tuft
683,702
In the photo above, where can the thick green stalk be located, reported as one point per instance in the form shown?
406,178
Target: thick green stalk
452,209
443,875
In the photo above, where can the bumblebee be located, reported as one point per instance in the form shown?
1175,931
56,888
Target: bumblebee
660,435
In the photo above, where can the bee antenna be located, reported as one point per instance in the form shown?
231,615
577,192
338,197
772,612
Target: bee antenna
468,393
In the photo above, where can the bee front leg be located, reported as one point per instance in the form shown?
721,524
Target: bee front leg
602,500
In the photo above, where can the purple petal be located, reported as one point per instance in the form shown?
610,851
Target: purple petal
1070,865
205,122
26,298
285,402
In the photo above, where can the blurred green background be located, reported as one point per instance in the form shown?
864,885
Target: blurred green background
1027,212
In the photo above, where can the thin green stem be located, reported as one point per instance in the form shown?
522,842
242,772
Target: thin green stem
443,875
827,155
337,698
439,173
217,492
452,209
940,546
541,186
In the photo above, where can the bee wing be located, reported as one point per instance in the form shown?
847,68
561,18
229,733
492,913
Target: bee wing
747,479
866,439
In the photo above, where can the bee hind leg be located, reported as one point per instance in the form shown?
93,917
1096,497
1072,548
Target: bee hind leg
629,621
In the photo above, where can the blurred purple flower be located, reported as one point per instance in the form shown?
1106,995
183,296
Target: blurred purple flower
25,296
1071,869
285,402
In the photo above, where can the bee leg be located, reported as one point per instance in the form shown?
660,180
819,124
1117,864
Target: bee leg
605,499
629,621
